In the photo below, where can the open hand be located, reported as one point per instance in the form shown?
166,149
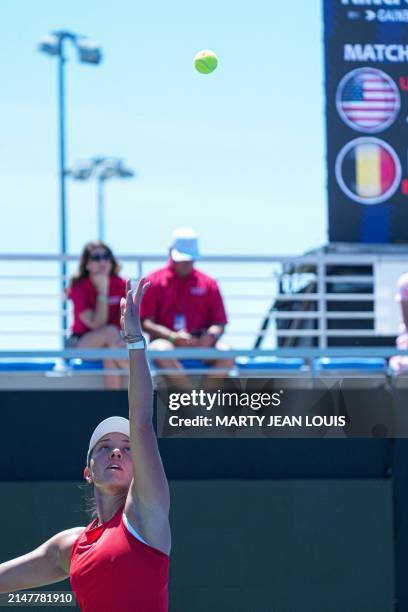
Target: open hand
130,306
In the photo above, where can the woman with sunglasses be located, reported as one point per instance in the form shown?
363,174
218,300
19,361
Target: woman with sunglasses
96,292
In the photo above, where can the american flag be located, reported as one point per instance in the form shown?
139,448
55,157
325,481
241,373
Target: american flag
368,99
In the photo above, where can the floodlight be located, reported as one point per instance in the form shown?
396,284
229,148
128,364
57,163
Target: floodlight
82,170
89,51
49,44
125,171
108,168
103,169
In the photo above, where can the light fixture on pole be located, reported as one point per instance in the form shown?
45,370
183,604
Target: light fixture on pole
90,53
103,168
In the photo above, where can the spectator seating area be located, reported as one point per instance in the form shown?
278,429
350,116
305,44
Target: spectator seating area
294,311
85,373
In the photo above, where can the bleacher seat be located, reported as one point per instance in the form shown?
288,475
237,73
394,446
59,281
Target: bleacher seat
11,365
371,364
191,364
269,363
353,372
85,364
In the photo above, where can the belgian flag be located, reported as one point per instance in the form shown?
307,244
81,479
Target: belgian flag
369,170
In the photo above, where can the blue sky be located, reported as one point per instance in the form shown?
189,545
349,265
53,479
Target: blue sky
238,154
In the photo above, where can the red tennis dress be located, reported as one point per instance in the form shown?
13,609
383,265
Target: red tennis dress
112,571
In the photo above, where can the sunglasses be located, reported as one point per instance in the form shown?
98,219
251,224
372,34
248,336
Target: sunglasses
99,257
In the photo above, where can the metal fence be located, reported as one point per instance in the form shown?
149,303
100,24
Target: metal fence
323,305
271,301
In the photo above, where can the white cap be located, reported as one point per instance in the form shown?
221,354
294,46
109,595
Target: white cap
184,246
114,424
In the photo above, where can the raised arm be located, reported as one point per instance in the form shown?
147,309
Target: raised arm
46,564
148,502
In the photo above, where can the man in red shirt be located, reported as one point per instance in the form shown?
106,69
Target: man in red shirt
184,307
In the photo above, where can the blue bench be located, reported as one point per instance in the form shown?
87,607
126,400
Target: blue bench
83,364
372,364
269,363
191,364
10,365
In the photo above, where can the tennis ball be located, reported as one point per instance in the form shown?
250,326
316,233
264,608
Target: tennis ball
205,61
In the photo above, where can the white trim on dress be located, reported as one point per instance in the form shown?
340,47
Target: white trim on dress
132,530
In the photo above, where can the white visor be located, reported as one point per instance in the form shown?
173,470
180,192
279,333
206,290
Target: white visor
114,424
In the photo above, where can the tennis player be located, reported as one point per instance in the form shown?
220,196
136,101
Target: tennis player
120,561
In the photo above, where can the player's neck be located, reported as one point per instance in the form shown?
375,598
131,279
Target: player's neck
107,506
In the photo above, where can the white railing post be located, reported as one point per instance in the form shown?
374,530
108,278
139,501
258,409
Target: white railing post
321,290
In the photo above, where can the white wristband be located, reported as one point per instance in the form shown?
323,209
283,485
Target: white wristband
136,345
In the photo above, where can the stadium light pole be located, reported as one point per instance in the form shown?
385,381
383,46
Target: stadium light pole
89,53
103,168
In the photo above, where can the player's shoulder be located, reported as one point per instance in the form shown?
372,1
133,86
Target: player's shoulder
63,543
65,539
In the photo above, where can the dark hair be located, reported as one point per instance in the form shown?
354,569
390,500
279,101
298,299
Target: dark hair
85,255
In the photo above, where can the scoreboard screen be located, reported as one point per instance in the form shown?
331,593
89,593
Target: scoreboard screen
366,63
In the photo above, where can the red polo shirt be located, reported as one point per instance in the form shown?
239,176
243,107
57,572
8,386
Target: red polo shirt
195,297
83,295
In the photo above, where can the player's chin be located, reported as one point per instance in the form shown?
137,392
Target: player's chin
113,476
117,487
118,476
